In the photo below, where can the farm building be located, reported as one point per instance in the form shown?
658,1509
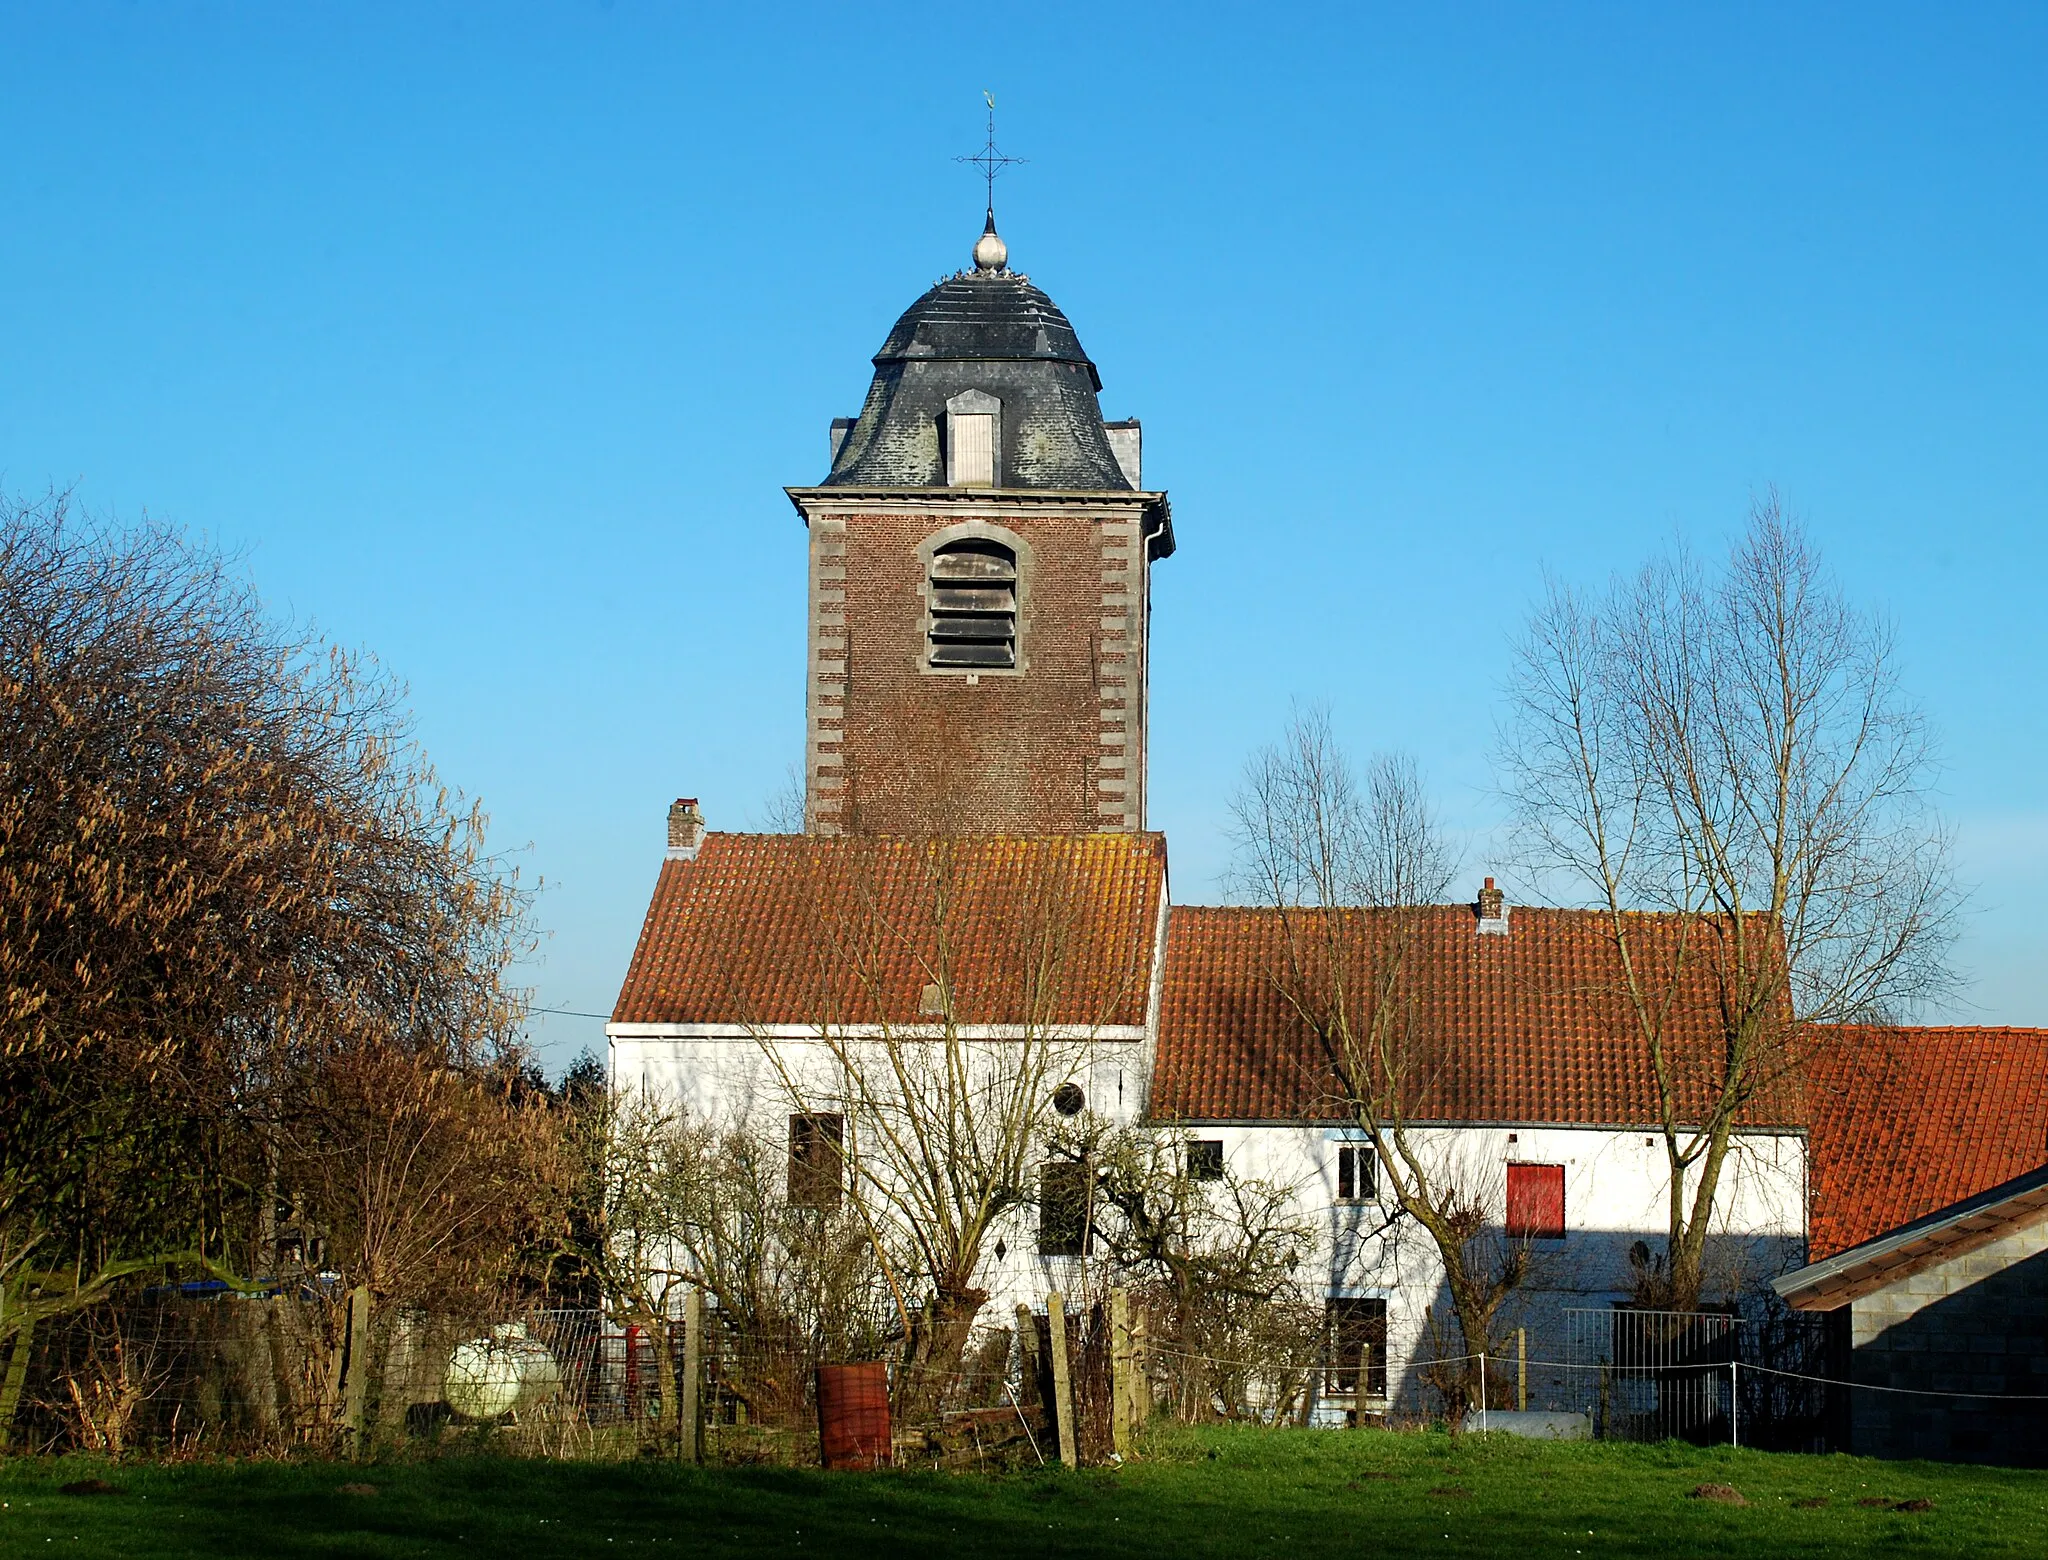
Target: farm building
1930,1233
975,872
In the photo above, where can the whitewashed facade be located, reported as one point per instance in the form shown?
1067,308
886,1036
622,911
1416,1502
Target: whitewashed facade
1614,1189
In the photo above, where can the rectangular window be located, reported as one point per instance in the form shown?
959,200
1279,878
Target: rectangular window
970,449
1063,1187
817,1159
1358,1173
1535,1202
1205,1160
1355,1338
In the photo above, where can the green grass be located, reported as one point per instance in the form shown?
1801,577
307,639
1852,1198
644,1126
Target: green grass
1211,1492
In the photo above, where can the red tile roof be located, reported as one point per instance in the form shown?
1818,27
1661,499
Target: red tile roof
1906,1121
803,929
1528,1026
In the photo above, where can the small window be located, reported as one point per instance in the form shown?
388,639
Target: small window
1063,1222
1535,1202
972,594
970,449
1358,1173
1205,1160
817,1159
1355,1340
1069,1099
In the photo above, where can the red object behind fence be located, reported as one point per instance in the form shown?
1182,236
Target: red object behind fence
1535,1202
853,1415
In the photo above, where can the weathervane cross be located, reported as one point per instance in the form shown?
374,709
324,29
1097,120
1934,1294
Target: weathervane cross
989,160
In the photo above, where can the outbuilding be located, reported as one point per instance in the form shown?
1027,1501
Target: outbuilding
1940,1329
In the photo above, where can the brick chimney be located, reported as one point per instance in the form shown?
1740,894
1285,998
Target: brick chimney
686,829
1493,911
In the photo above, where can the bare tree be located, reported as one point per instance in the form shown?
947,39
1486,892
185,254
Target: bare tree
1730,750
223,863
687,1203
1350,869
1219,1259
433,1184
641,1162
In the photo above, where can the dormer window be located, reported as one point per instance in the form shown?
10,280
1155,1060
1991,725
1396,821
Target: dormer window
971,450
973,597
972,439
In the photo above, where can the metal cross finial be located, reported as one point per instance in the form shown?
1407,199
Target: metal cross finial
989,160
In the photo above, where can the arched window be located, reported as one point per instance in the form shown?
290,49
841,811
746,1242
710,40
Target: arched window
973,600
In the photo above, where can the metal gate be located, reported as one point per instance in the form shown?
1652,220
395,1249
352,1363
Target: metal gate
1654,1375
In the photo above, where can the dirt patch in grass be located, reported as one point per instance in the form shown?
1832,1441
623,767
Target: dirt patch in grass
1720,1494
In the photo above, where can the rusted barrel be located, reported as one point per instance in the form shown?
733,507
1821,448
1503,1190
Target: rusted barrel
853,1415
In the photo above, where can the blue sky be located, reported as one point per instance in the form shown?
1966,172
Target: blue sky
490,335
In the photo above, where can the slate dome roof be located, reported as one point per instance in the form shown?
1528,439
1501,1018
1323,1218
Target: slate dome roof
976,317
987,330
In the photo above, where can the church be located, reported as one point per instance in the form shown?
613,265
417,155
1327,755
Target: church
976,880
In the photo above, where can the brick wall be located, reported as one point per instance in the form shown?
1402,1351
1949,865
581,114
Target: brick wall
1057,746
1976,1323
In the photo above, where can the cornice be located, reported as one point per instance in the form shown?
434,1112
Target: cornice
1109,503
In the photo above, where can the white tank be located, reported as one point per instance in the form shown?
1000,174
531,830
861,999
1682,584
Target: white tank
489,1378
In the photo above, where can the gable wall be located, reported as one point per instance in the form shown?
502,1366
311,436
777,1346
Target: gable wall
1975,1323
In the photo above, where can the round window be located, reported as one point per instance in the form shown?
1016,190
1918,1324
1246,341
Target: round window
1068,1099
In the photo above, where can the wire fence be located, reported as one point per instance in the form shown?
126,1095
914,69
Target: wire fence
177,1373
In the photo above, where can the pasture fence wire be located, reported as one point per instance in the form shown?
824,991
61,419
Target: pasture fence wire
199,1370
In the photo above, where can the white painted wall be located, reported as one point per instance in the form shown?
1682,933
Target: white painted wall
725,1076
1615,1186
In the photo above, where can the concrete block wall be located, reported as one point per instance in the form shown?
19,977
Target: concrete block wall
1976,1323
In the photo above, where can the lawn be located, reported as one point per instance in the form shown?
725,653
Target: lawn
1212,1492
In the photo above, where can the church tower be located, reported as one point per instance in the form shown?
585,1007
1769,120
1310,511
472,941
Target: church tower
980,580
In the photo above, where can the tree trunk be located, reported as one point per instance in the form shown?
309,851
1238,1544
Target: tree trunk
937,1344
1690,1227
669,1422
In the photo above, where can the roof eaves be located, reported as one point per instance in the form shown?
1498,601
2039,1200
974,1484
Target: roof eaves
1899,1253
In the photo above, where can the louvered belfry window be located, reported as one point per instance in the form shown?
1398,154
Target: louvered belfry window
973,591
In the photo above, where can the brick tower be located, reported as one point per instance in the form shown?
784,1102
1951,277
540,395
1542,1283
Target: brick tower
980,580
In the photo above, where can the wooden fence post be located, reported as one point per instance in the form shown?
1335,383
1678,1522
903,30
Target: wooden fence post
1027,1354
1522,1369
691,1418
1062,1380
355,1366
1122,1396
17,1376
1141,1368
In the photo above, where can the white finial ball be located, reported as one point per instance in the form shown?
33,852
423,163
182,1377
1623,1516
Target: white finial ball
990,252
